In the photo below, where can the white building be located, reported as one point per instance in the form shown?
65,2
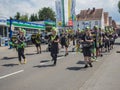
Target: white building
3,27
90,18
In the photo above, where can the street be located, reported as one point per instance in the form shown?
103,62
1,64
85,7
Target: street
68,74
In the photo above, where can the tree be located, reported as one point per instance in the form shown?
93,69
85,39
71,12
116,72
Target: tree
24,18
17,16
33,17
119,6
20,17
46,13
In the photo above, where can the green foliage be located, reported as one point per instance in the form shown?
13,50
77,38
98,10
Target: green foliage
119,6
33,17
46,13
24,18
17,16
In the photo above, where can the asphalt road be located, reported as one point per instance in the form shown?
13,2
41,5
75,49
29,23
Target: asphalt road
68,74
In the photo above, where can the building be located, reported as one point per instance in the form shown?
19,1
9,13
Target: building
106,19
110,21
114,25
91,18
3,27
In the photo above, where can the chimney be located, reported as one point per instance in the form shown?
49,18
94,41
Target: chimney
88,10
93,9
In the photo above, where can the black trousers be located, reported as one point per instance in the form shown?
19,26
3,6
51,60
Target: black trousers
54,57
21,53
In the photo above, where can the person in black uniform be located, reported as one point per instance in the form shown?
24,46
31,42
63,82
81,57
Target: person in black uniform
38,43
54,39
64,42
107,42
86,46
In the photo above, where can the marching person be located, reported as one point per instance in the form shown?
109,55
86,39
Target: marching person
86,46
36,40
54,49
64,42
21,46
97,40
38,43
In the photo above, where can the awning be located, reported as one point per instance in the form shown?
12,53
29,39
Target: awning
30,25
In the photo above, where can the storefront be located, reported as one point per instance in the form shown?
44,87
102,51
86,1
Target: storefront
3,28
28,26
3,32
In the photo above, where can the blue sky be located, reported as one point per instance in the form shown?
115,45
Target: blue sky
10,7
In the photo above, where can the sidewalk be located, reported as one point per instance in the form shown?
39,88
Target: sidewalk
107,76
4,47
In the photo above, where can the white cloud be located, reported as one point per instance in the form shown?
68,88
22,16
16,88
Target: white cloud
10,7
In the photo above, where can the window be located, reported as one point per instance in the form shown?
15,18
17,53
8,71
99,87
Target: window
96,22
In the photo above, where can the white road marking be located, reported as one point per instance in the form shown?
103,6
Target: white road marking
73,53
42,63
60,57
11,74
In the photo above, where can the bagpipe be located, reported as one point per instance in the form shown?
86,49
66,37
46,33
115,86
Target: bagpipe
78,46
14,43
34,37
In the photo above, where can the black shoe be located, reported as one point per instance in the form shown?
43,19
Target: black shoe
90,64
52,59
66,54
54,64
86,66
37,53
101,55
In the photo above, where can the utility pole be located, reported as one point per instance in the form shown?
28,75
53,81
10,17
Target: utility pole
10,34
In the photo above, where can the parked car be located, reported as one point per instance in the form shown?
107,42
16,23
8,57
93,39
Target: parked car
28,39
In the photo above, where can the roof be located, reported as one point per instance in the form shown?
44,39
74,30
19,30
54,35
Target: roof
94,14
106,21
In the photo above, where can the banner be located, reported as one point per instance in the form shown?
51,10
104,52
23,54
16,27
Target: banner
60,19
63,14
17,23
71,10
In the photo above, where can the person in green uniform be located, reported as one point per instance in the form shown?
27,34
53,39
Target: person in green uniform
20,46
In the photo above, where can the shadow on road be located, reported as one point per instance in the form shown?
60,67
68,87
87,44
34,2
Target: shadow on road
68,51
10,65
30,53
43,66
75,68
117,51
80,62
8,58
61,55
117,43
43,61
